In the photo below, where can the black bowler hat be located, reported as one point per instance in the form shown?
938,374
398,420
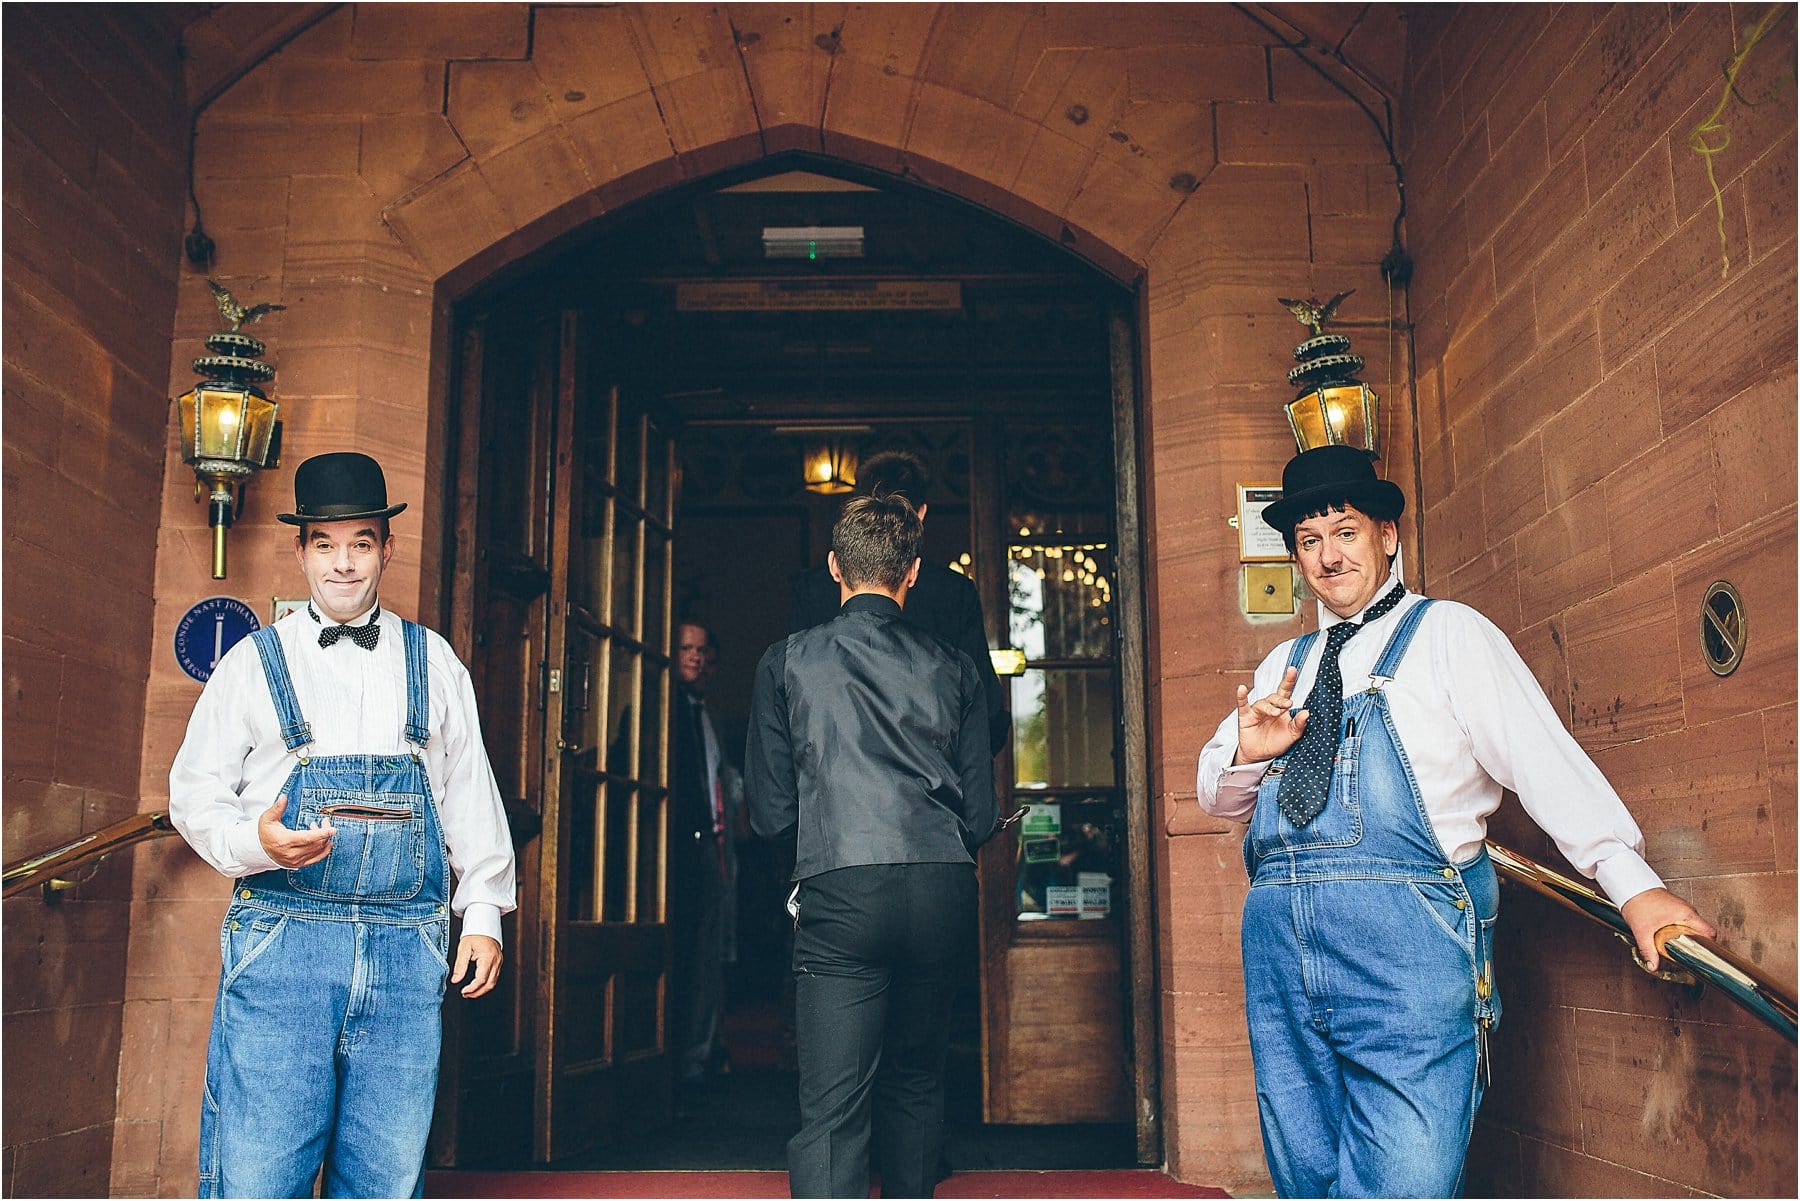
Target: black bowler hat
1332,475
339,487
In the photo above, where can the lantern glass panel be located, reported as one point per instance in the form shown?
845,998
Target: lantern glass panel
830,468
259,428
1350,415
221,432
1307,415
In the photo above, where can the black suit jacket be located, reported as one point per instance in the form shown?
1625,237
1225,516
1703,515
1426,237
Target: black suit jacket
942,602
868,742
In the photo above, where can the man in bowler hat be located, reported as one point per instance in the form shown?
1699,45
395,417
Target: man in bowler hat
1368,928
334,771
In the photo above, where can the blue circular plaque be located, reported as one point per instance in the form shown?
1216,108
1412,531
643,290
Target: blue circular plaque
209,629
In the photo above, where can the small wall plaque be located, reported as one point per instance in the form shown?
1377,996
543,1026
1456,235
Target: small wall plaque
1257,542
1724,630
209,629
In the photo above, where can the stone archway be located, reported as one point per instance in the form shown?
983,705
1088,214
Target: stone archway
384,160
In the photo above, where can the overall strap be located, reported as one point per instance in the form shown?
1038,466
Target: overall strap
296,732
1402,638
1302,645
418,685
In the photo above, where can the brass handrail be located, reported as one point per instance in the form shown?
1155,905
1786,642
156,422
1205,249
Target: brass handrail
48,868
1705,961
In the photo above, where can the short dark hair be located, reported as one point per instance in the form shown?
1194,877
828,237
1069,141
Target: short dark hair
1369,504
876,540
895,473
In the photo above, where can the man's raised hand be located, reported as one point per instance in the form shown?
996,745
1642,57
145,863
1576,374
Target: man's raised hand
1268,727
292,848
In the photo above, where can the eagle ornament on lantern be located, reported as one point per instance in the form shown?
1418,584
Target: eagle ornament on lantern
1333,407
228,426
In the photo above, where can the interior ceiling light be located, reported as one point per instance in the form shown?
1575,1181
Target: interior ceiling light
812,241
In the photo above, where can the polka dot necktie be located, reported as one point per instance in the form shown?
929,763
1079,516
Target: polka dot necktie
1307,781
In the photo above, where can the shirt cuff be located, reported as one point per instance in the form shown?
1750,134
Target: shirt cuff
1235,797
481,918
1623,875
245,842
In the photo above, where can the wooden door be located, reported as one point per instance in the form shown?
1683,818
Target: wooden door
603,1063
505,389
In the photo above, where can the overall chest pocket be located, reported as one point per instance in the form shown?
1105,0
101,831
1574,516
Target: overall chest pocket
378,853
1338,825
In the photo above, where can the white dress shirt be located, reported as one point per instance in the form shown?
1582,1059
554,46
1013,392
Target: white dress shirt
233,763
1473,721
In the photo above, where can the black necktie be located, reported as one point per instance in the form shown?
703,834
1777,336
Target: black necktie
365,635
1307,782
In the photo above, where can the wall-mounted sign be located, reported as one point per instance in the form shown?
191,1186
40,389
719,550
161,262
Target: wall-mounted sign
816,295
1257,542
209,629
281,606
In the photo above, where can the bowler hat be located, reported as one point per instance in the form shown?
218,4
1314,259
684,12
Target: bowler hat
1332,475
339,487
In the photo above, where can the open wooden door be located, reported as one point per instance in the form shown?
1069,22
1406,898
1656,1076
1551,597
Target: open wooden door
602,1047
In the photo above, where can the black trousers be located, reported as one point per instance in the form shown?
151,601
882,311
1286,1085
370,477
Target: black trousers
878,953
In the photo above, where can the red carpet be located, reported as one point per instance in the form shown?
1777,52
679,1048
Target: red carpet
1139,1183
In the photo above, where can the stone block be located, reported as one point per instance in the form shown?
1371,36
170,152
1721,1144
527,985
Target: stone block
1554,1170
400,153
1251,132
1181,74
1689,1101
1454,528
1490,347
980,138
703,112
1122,209
987,52
136,1151
1662,504
452,219
1519,164
494,105
1513,490
34,689
1525,237
1429,143
65,1164
1599,70
302,87
1769,192
1598,249
275,147
1540,646
440,31
620,138
1516,68
1683,273
536,176
1759,560
1563,558
1607,426
1624,665
1743,335
1489,583
76,1046
1752,481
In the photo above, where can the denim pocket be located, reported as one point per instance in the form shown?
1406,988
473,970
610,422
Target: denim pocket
437,936
247,934
1448,904
1338,825
378,853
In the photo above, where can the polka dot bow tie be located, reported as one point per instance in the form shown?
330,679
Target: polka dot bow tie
1307,782
365,636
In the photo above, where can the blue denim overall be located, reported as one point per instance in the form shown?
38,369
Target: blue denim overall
1367,971
325,1034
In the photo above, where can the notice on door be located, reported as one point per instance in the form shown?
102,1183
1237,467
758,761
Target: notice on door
816,295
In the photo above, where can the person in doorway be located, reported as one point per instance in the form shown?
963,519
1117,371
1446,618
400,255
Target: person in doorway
333,768
868,741
942,601
699,869
1367,932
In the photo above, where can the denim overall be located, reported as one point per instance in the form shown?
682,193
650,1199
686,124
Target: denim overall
326,1030
1367,971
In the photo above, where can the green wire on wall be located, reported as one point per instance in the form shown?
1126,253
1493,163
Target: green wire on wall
1710,137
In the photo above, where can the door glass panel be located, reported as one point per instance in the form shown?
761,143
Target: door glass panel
649,856
615,852
1063,728
584,819
588,560
653,730
622,717
626,552
656,476
1059,600
1067,857
630,463
656,590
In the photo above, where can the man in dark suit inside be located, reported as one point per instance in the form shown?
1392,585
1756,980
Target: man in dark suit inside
868,743
942,602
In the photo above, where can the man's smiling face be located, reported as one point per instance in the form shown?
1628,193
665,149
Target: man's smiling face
343,562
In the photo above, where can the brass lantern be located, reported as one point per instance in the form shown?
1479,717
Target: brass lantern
1333,407
830,466
228,428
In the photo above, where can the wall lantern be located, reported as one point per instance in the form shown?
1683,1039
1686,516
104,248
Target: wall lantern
228,426
1333,407
831,466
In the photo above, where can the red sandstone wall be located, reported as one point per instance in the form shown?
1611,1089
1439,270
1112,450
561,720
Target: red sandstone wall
95,138
1607,422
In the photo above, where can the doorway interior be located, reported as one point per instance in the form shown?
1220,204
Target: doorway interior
640,412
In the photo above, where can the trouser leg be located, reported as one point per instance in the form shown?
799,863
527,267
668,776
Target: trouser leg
388,1062
269,1101
1299,1086
699,970
841,996
939,900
